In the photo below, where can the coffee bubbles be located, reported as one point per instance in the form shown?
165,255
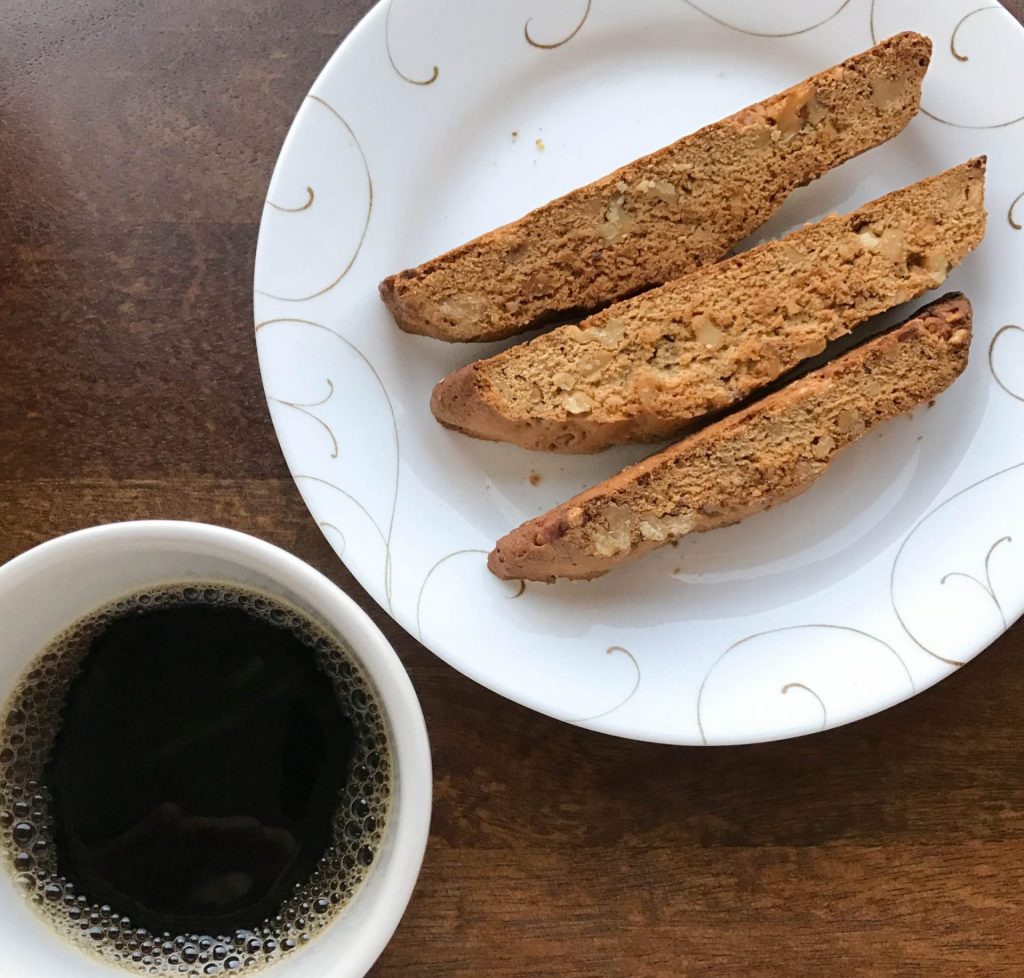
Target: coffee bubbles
194,780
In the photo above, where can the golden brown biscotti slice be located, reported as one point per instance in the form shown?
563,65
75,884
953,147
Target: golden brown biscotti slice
648,368
763,455
664,214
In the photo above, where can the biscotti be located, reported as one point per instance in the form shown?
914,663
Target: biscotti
749,461
646,369
664,214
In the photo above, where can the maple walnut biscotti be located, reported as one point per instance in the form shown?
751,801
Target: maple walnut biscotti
763,455
647,368
664,214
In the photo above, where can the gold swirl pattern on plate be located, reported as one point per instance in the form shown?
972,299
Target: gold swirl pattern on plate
398,71
384,535
992,360
1009,214
956,30
310,197
985,585
439,563
366,223
964,125
556,44
614,650
793,685
306,409
960,57
350,498
742,30
325,525
807,689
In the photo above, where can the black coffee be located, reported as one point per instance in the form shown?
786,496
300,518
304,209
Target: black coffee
193,781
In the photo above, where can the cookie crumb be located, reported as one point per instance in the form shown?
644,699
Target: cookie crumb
539,143
534,479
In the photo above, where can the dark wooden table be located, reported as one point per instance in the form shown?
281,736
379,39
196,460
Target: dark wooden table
136,141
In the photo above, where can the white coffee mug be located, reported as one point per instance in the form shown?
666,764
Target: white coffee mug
48,588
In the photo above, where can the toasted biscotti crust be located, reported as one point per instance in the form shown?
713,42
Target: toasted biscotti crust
756,458
646,369
664,214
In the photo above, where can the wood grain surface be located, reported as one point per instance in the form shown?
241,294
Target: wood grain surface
136,141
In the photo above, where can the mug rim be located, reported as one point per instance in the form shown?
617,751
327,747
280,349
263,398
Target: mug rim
411,800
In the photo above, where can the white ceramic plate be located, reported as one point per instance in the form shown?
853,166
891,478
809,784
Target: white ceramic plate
436,121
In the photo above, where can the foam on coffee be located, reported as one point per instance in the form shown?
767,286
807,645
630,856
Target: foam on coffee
28,843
